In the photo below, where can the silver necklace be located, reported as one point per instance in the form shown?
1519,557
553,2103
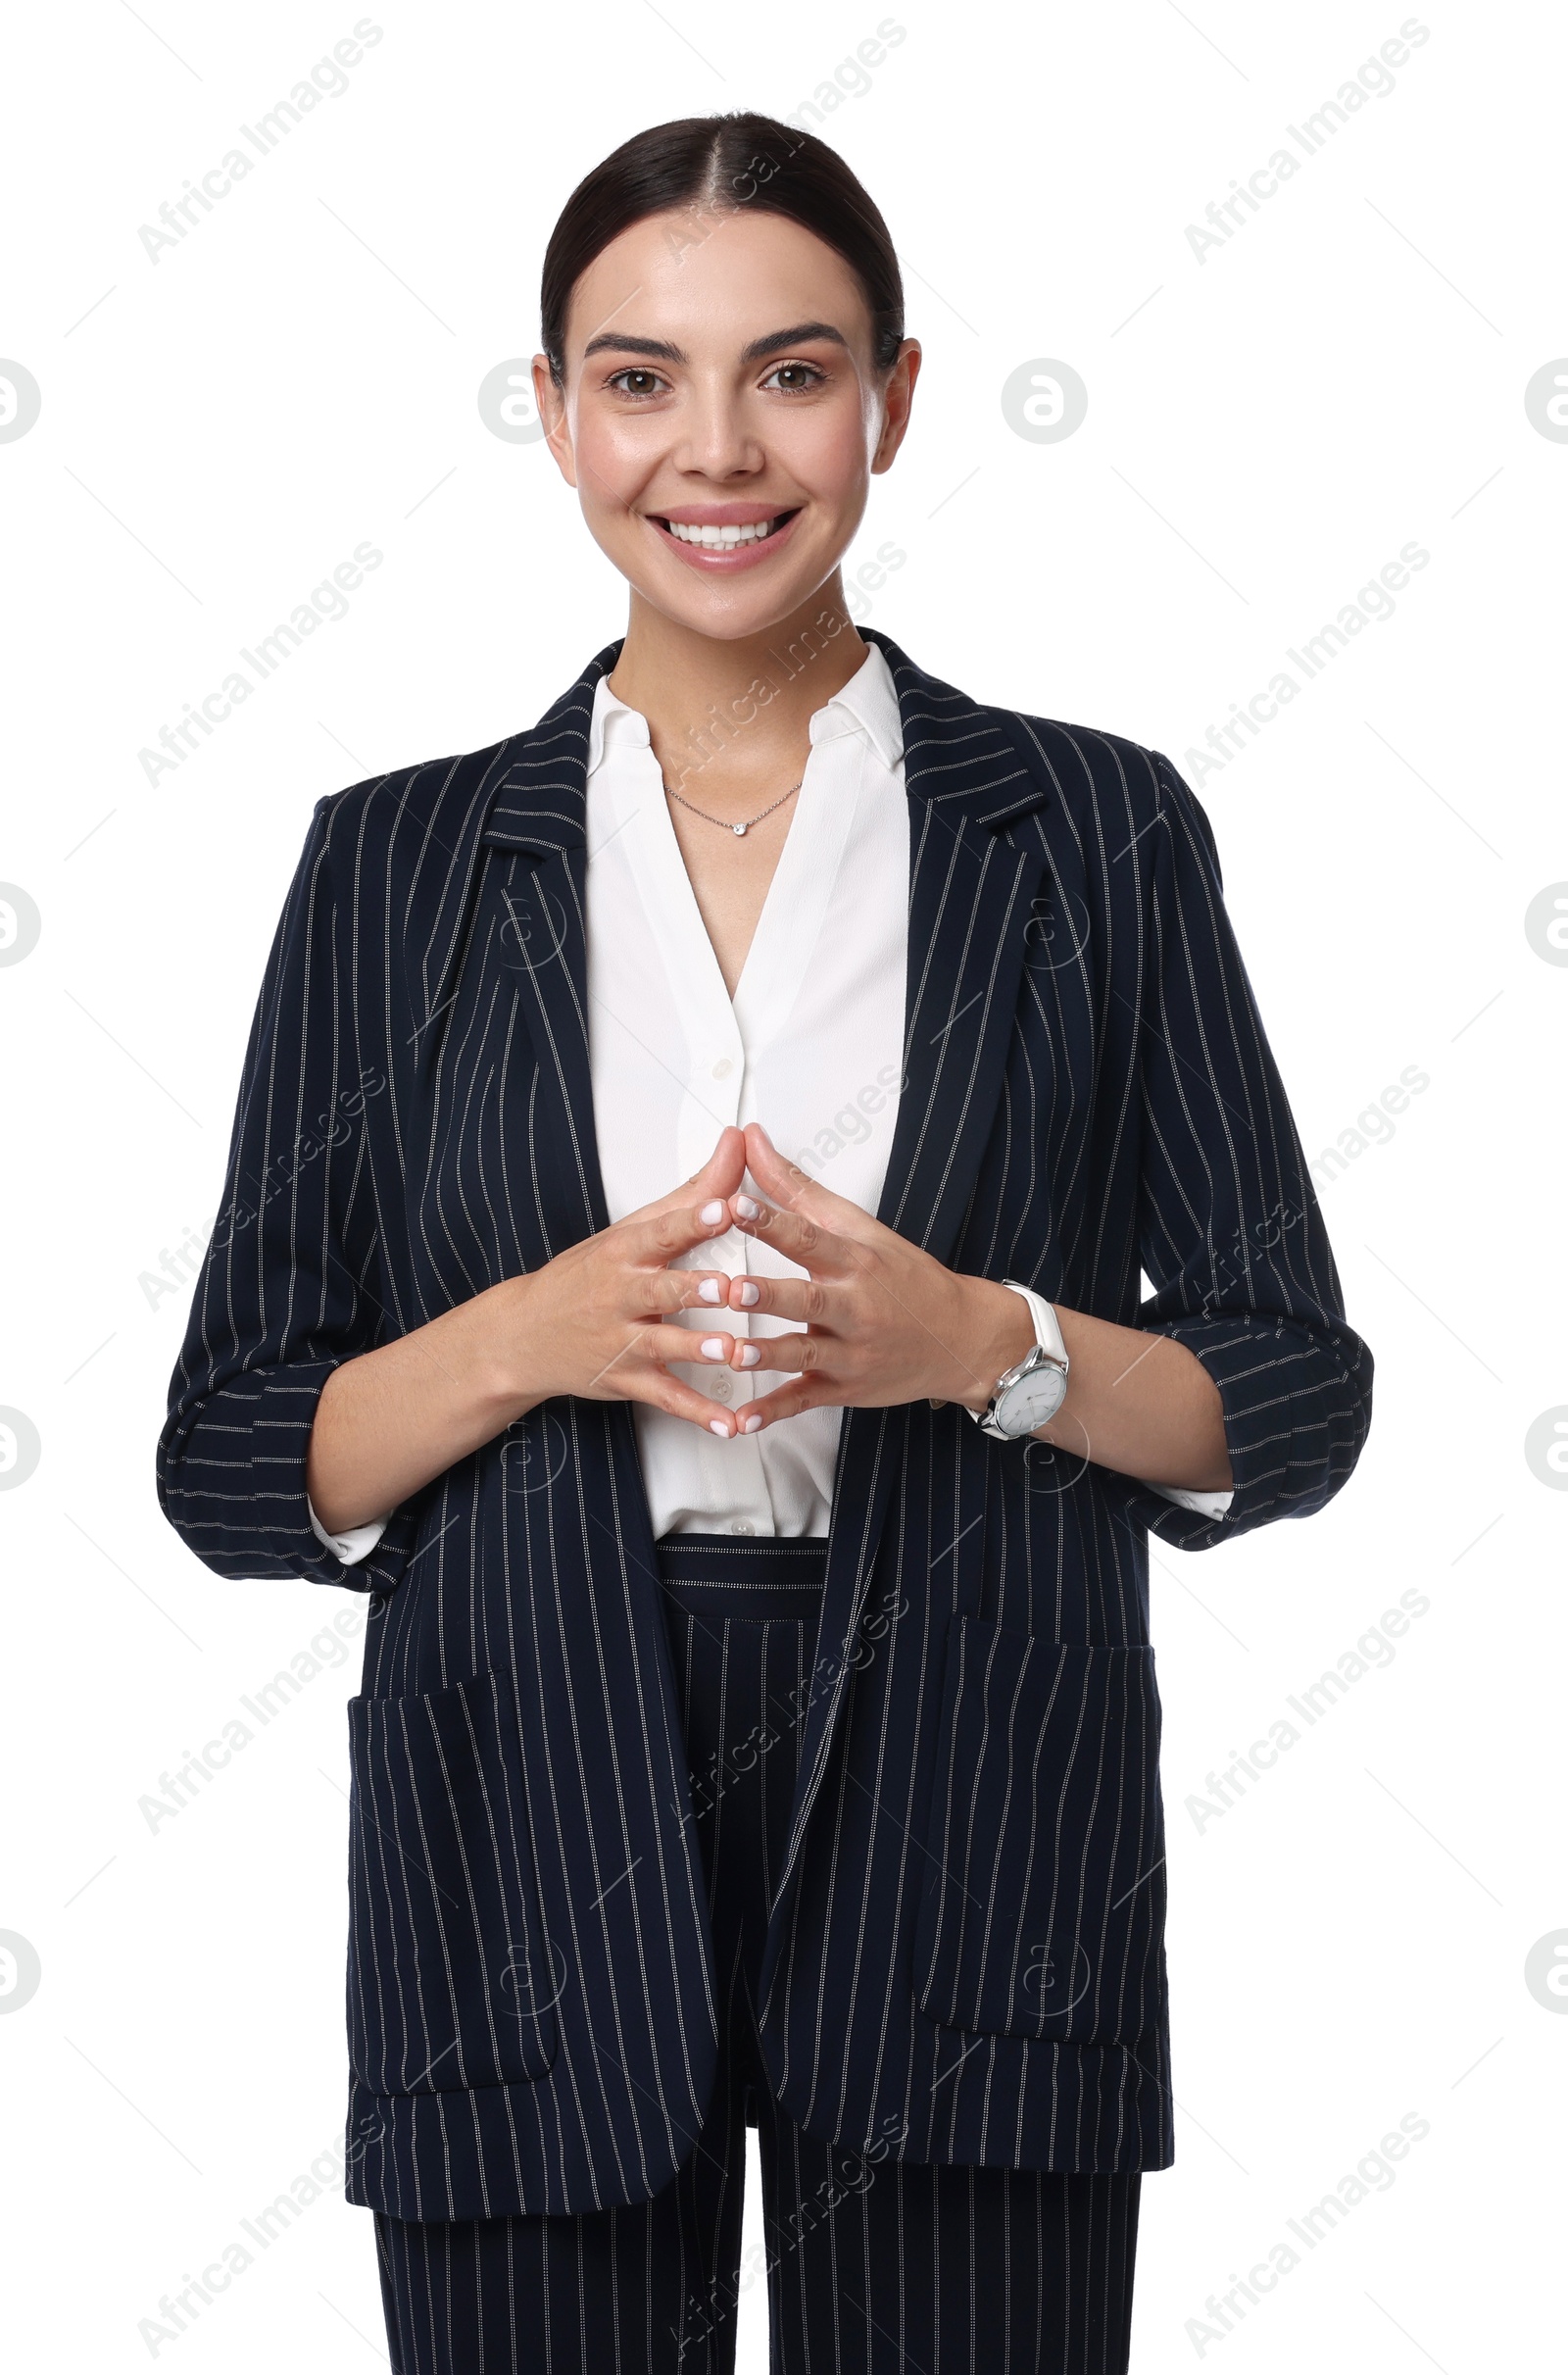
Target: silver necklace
723,822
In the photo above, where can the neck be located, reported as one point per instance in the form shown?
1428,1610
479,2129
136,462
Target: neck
729,718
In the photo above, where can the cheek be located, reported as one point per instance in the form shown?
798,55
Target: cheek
826,450
615,457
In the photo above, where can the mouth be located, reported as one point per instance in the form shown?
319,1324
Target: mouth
726,544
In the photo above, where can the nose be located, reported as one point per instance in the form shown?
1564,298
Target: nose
715,440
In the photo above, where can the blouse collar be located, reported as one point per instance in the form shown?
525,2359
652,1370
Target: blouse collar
868,704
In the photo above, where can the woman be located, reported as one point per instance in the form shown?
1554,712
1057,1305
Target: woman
663,1137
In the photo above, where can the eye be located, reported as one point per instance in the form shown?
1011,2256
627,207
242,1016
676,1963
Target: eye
649,382
805,377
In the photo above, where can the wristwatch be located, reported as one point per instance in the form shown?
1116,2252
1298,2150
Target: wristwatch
1033,1390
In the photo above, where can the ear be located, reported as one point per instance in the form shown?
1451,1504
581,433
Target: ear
551,403
897,398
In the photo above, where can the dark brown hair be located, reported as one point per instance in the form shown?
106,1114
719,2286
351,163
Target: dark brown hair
712,162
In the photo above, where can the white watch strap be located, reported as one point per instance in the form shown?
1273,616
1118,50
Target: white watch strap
1048,1334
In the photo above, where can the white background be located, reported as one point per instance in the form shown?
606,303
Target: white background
1267,428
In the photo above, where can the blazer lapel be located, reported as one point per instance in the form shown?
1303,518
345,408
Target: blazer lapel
971,898
539,934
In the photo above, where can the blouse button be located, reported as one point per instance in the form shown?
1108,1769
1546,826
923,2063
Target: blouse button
721,1389
743,1525
724,1068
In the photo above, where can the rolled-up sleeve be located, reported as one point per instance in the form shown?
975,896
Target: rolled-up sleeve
288,1288
1231,1236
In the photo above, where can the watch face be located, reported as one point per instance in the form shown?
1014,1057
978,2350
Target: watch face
1033,1400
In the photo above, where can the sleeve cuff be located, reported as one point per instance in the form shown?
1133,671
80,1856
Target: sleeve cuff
1201,1505
357,1542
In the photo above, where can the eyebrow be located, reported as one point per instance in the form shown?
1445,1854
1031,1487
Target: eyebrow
661,349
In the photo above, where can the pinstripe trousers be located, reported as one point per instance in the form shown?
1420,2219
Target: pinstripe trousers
874,2266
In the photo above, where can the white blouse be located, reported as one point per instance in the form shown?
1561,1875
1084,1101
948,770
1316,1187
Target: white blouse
812,1047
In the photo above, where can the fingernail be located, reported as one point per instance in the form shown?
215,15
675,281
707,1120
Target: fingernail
712,1348
749,1426
747,1210
718,1426
750,1355
709,1291
751,1293
712,1211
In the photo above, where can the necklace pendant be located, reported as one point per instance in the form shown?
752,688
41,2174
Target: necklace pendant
737,828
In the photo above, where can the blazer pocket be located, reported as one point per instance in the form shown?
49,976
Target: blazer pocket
1044,1905
452,1979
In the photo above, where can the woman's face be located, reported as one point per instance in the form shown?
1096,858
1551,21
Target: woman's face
721,415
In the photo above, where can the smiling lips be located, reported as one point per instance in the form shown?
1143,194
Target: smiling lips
723,536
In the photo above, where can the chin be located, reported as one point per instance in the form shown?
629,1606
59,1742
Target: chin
727,618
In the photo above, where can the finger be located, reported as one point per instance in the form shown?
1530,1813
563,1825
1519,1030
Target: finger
639,1371
662,1391
788,1400
804,1299
794,1354
654,1242
720,1175
797,1191
799,1238
654,1292
717,1176
717,1350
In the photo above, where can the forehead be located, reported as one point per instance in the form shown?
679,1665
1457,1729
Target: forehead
707,278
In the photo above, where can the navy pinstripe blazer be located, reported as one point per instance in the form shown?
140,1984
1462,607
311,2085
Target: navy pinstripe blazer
964,1961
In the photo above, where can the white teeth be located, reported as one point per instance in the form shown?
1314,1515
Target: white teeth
722,539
